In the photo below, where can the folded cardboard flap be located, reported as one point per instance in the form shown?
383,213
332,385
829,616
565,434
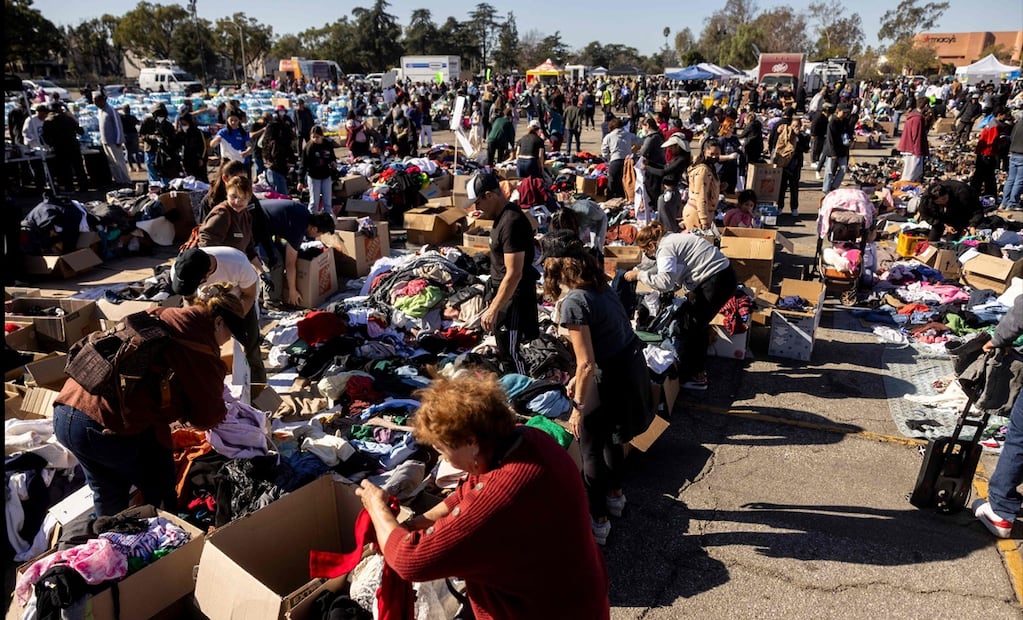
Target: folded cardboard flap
646,439
353,186
23,339
38,403
14,395
48,372
759,233
63,266
13,292
270,580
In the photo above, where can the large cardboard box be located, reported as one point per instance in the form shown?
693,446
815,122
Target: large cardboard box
588,186
64,266
353,186
373,209
156,587
433,225
623,256
723,344
47,372
765,180
793,333
317,279
257,567
945,261
356,253
177,208
459,191
24,338
56,333
990,272
751,251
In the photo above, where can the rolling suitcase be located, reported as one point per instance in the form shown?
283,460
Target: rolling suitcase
946,474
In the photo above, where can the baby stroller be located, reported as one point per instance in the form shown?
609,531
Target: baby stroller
844,223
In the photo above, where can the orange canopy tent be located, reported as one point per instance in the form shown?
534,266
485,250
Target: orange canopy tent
544,69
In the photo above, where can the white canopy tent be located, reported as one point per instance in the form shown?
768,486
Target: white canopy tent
986,69
710,67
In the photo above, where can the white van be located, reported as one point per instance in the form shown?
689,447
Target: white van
168,78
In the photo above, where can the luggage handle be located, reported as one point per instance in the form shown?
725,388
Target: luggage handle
978,423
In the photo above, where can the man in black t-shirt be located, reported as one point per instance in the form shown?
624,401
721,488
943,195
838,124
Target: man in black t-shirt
290,223
511,291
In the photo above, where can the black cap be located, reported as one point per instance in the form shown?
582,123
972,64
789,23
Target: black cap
479,184
189,270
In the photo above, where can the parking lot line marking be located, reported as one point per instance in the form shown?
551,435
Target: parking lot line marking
1011,555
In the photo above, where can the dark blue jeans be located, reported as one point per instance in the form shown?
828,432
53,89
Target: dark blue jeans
1003,488
114,463
529,168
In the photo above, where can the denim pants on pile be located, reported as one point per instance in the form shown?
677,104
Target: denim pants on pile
114,463
1003,491
321,194
834,172
1014,182
278,181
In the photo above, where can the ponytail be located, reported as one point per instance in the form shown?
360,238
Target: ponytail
651,233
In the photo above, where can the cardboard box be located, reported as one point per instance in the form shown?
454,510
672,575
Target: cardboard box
281,101
430,192
723,344
458,191
23,339
587,185
626,256
793,333
990,272
37,404
154,588
751,251
317,279
945,261
47,372
357,253
888,127
57,333
64,266
258,566
13,292
445,183
646,439
765,180
473,251
14,395
353,186
433,225
88,240
177,208
373,209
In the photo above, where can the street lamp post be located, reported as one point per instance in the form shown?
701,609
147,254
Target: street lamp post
198,35
241,39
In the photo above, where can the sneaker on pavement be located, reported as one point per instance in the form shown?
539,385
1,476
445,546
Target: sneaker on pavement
616,505
600,531
817,173
997,525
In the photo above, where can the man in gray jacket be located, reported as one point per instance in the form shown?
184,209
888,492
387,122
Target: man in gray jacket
999,513
111,136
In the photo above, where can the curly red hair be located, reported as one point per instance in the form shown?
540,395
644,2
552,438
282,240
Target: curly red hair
460,411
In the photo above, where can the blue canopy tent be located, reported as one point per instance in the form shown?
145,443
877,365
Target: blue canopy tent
690,73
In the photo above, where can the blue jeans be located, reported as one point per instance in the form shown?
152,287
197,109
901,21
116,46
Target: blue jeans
1003,493
114,463
320,194
529,168
151,167
896,117
834,172
278,181
260,166
578,141
1014,182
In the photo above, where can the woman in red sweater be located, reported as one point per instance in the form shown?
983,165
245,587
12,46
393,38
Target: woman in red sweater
484,532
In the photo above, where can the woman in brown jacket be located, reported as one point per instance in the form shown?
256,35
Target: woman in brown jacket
120,447
230,223
704,189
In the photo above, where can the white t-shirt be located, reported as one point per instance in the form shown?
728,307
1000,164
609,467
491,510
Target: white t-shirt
232,266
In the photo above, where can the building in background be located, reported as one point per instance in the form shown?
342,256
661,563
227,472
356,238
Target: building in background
963,48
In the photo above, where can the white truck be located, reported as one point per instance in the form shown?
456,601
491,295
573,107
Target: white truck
164,76
429,68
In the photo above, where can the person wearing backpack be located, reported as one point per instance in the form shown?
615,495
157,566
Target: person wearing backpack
125,440
197,266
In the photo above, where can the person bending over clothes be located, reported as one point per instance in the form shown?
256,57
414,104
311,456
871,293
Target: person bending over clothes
948,206
516,475
611,385
690,263
290,223
122,446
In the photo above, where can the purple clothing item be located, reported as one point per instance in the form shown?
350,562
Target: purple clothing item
96,561
161,534
242,434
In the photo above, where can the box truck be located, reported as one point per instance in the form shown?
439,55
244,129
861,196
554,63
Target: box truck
429,68
781,72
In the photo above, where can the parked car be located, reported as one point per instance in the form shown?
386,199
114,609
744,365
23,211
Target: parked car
119,90
47,87
375,79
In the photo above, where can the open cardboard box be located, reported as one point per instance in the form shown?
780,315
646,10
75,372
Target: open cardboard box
765,181
257,567
354,253
990,272
793,333
433,225
353,186
316,278
64,266
373,209
723,344
751,251
945,261
149,591
57,333
13,292
48,371
621,257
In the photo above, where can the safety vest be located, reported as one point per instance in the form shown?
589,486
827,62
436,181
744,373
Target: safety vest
606,99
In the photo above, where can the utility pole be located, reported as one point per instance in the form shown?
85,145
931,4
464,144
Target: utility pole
198,35
241,39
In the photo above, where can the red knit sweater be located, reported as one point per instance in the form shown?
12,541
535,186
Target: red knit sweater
519,536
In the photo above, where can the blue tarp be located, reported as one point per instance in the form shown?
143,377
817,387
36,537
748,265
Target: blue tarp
691,73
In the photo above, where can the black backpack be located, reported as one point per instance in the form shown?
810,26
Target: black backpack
124,363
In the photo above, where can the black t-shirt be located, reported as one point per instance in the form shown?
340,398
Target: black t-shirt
512,233
530,145
287,220
603,312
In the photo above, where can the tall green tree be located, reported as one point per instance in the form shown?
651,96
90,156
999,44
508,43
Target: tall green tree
147,30
421,33
28,36
288,45
910,18
237,34
722,26
377,37
507,54
684,43
458,39
780,29
194,48
837,34
91,52
485,24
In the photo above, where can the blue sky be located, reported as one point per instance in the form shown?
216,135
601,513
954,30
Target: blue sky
580,21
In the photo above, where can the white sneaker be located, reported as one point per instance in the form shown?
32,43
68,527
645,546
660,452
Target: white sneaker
997,525
817,173
616,505
600,531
